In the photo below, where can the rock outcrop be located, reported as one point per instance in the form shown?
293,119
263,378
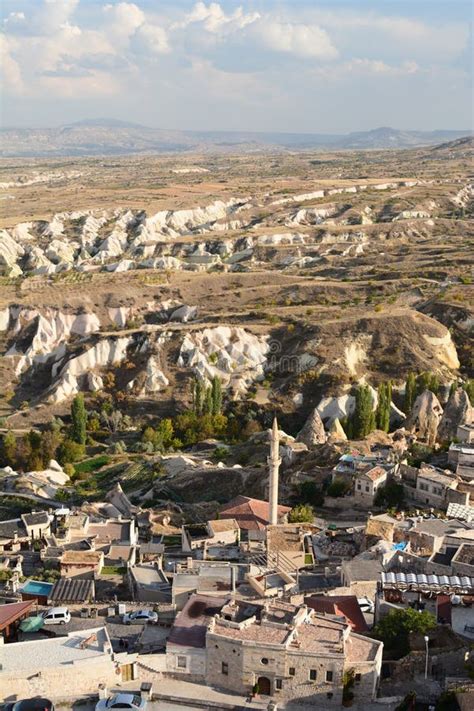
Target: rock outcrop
425,417
312,432
336,432
458,411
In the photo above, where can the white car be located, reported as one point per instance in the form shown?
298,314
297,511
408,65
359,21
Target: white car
56,616
140,617
366,605
122,701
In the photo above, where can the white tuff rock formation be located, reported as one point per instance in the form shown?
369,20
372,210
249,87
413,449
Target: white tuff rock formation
458,411
425,417
312,432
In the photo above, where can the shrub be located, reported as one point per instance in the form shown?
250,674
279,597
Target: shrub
338,488
394,629
303,513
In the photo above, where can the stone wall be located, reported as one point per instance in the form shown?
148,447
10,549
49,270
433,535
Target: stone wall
195,661
247,663
69,680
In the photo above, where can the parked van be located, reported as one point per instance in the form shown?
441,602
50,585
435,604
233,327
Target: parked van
56,616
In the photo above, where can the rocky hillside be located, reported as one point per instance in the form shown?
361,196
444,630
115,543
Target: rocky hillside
289,290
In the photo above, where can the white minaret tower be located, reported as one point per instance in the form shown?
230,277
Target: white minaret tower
274,462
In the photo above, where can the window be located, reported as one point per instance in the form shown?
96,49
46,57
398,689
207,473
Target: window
278,684
225,668
264,660
329,676
357,678
359,485
329,695
367,488
291,671
182,663
312,675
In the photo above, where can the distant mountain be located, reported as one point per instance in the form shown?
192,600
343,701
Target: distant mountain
104,136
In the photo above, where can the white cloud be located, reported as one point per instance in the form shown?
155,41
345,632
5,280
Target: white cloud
150,39
297,39
11,77
214,19
161,51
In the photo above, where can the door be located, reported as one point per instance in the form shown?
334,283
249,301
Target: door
264,686
127,672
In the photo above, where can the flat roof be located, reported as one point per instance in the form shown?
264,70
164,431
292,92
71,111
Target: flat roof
190,626
81,557
55,651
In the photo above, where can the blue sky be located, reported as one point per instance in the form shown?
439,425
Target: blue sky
286,65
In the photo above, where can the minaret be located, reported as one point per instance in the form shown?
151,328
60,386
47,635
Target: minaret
274,462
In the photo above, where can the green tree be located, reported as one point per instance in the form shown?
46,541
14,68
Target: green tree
338,488
410,392
303,513
469,388
363,418
216,393
392,495
207,405
70,451
79,419
382,413
311,493
198,396
427,381
8,449
395,628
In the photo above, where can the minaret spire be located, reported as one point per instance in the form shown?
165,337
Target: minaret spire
274,466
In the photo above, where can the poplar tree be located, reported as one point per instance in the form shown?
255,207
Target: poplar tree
216,392
198,396
410,392
207,407
382,413
79,419
363,419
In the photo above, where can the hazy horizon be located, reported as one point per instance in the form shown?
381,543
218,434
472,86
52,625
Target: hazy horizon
248,66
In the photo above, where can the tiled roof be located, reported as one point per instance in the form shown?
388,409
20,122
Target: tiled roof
13,611
360,649
72,590
190,626
250,514
345,605
373,474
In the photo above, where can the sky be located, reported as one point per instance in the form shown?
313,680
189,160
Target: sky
283,65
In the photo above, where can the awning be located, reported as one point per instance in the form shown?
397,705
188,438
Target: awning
32,624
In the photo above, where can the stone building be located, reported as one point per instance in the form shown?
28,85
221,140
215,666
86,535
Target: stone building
367,483
289,652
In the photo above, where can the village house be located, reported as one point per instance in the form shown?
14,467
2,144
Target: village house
432,485
461,458
368,482
186,644
148,583
81,564
252,515
289,652
465,433
20,532
78,661
215,533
